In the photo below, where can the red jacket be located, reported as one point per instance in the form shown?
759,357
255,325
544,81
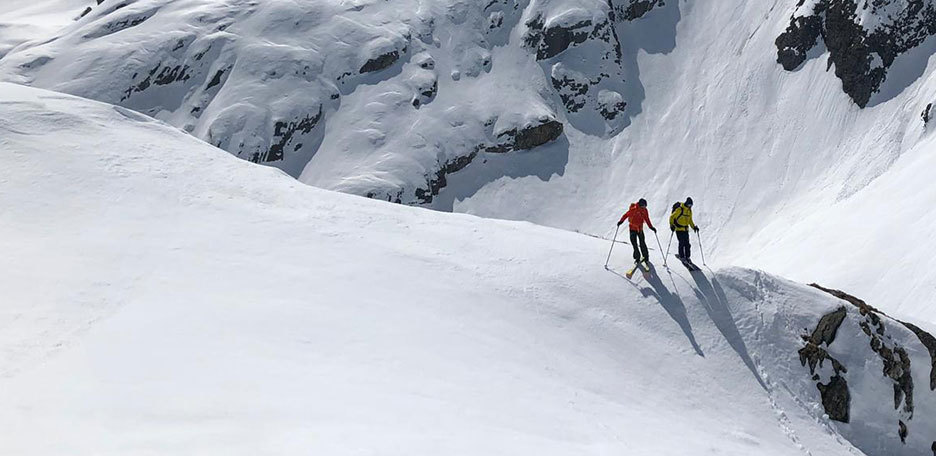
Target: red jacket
638,216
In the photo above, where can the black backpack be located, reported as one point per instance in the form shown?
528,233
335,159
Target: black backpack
677,206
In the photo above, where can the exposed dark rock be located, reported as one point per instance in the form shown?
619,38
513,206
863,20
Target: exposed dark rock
527,137
166,75
836,399
119,25
610,110
929,342
801,36
426,93
430,92
895,359
554,40
835,396
926,114
828,327
438,181
495,20
558,38
426,62
635,9
169,75
283,133
814,356
537,135
585,58
85,12
862,306
571,92
861,57
897,368
531,136
902,431
216,79
390,197
380,62
534,35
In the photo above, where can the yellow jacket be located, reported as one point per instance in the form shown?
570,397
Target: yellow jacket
681,219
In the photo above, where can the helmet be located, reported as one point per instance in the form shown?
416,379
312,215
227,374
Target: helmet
689,201
642,202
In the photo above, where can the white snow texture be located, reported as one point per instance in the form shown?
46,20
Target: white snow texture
163,296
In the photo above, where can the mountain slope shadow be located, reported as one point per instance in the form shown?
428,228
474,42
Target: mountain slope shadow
715,302
670,302
543,162
654,33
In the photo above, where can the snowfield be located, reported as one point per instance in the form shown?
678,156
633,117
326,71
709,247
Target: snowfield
803,160
161,296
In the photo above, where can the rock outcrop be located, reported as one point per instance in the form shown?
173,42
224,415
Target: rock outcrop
582,55
836,399
892,353
536,134
863,38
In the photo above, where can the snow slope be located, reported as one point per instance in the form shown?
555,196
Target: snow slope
418,101
22,21
163,297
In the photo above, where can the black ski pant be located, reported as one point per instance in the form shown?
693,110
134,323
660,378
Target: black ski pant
684,246
640,245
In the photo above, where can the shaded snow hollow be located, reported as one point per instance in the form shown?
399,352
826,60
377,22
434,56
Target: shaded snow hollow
161,296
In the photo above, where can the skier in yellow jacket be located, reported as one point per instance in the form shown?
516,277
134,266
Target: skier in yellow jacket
680,221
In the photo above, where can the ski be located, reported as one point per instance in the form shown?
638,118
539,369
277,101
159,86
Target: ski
690,265
630,272
644,270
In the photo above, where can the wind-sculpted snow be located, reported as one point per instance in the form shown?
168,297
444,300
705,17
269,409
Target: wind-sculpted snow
863,38
382,86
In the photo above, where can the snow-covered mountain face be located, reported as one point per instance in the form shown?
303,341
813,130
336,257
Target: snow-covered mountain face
146,311
409,87
558,112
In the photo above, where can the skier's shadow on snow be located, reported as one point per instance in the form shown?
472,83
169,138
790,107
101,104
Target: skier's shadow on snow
713,298
671,303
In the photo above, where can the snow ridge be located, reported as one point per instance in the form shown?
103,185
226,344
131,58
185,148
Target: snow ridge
148,300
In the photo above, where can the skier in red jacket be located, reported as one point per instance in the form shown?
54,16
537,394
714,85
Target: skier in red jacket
638,215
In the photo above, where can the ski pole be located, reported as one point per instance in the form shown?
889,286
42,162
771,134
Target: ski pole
612,246
701,250
660,246
668,245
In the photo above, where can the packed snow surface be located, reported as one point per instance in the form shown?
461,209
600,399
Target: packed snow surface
163,297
